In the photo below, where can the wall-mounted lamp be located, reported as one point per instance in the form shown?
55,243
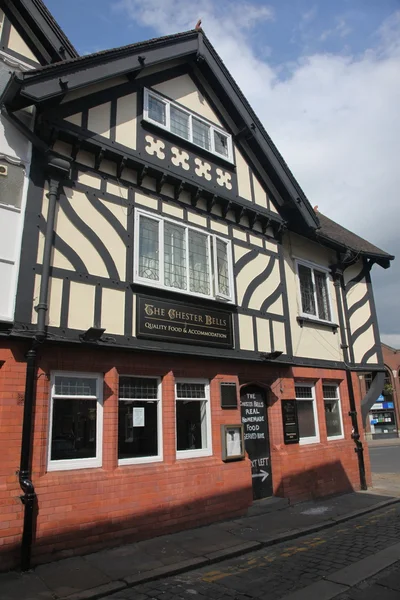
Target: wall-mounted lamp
93,334
271,355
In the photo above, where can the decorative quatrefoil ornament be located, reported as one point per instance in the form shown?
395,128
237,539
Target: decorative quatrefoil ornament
224,179
203,169
180,158
155,147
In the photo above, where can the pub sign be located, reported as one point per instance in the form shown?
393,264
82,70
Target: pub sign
177,322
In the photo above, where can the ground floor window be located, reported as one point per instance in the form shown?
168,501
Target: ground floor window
333,411
139,420
76,421
307,413
193,418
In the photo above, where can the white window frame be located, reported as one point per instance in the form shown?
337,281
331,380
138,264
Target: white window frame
322,269
199,452
212,264
314,439
147,459
168,103
339,401
77,463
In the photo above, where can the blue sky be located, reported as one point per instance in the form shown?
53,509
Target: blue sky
324,78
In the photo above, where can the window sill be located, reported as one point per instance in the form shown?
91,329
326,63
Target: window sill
308,442
73,465
182,454
309,320
139,461
335,438
187,145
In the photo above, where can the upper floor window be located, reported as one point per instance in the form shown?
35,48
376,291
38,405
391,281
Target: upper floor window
185,124
181,258
314,291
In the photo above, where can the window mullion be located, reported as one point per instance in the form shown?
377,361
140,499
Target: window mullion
212,283
187,259
212,141
190,129
168,116
314,293
216,282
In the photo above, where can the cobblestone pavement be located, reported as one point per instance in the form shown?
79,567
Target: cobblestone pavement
273,572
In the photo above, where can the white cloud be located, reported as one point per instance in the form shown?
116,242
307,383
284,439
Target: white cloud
334,118
392,340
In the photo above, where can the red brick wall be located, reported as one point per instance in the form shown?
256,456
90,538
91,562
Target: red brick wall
84,510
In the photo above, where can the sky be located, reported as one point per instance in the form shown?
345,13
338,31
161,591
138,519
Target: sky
324,78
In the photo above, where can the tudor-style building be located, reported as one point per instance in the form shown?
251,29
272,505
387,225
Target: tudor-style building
188,331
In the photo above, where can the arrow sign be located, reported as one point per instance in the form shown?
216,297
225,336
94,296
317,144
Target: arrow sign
262,474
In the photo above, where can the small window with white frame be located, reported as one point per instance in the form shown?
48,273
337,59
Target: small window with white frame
139,420
307,413
314,291
193,418
182,122
333,411
76,421
181,258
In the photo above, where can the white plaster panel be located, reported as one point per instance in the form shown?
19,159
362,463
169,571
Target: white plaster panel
239,251
99,119
172,209
149,183
85,158
272,246
146,201
39,256
17,44
277,307
279,336
263,336
134,315
239,234
68,232
81,306
260,197
373,359
356,293
120,211
129,175
196,219
266,287
351,272
246,275
55,299
246,332
62,148
109,167
272,207
360,317
9,226
183,90
35,299
89,179
255,240
12,142
113,311
7,278
307,250
126,126
220,227
168,190
243,176
363,343
117,190
101,227
75,119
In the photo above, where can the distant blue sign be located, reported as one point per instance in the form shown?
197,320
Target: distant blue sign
373,421
381,398
388,405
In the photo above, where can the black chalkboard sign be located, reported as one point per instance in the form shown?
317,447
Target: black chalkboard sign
290,422
256,439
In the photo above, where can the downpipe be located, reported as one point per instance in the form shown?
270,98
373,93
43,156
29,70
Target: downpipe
29,497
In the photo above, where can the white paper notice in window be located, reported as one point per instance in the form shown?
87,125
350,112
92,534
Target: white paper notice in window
138,416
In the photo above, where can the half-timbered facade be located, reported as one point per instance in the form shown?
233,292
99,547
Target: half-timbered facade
179,302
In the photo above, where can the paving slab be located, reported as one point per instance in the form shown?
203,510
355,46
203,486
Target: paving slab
70,576
23,586
321,590
374,592
120,562
363,569
391,581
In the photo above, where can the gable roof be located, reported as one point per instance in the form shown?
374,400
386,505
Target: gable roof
36,25
51,82
335,233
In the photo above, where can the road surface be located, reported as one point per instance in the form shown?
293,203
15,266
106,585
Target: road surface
385,459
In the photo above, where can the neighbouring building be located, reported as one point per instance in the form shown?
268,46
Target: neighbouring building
384,416
187,332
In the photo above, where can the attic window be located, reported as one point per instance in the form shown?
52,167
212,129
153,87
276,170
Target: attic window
186,125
